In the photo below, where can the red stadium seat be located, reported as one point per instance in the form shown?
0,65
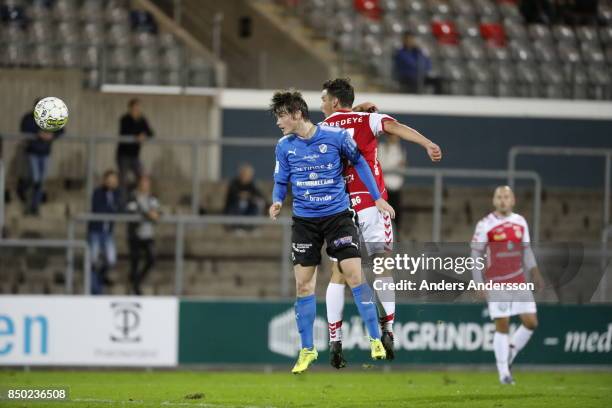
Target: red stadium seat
445,32
368,8
493,33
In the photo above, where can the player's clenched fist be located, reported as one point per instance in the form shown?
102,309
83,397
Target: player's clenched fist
384,207
434,152
275,210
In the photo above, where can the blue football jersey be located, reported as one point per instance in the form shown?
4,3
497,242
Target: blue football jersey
314,167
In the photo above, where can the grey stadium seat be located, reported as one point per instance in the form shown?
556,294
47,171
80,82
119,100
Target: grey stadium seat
545,52
393,25
91,78
553,81
605,35
467,28
449,52
515,31
91,10
563,33
118,34
592,53
68,32
167,40
93,33
463,8
568,53
69,56
455,77
540,32
505,79
487,10
577,81
120,58
91,57
586,34
415,7
65,10
498,53
42,56
117,15
13,54
510,11
172,78
41,31
12,32
473,49
38,10
481,78
528,80
144,39
439,8
600,82
390,6
521,51
429,46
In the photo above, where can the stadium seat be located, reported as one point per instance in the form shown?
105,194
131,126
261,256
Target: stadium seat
418,26
473,49
449,52
415,7
64,10
120,58
540,32
393,25
171,59
42,56
93,33
91,57
39,10
144,39
505,75
69,57
563,33
605,35
521,51
545,52
445,32
455,77
496,53
117,76
528,80
553,81
172,78
586,34
604,13
487,10
467,28
117,15
568,53
463,8
592,54
13,32
389,6
600,82
91,11
118,34
510,12
368,8
439,10
493,33
481,79
515,31
14,53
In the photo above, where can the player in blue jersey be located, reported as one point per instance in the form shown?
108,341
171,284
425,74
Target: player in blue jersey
310,158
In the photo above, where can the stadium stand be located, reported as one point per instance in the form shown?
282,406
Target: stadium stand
481,47
111,42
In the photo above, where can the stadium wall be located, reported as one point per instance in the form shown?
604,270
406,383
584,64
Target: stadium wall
166,331
474,132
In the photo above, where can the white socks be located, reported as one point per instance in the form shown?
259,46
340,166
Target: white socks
519,339
334,300
501,345
387,300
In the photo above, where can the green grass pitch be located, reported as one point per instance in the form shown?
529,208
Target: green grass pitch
368,388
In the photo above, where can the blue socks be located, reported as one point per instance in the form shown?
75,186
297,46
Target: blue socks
305,313
364,299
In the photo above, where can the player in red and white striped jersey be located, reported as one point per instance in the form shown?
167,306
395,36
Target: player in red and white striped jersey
502,237
366,127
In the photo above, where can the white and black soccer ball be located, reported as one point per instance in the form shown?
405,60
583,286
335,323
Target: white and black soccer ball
51,114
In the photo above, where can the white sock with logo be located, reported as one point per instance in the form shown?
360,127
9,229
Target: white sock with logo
501,346
519,339
334,301
387,300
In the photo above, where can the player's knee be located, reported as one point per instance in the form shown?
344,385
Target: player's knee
531,323
502,325
304,287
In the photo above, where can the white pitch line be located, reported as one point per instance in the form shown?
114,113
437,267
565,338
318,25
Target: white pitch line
166,403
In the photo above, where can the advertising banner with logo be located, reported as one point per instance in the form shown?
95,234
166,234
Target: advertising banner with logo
226,332
92,331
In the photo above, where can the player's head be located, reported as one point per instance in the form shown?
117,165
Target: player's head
290,110
409,40
503,200
337,94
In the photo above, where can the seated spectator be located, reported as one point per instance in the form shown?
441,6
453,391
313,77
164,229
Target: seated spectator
105,200
141,234
412,67
38,150
243,196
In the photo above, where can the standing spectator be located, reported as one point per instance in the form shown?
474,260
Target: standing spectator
141,234
392,157
135,125
243,196
412,67
105,200
37,150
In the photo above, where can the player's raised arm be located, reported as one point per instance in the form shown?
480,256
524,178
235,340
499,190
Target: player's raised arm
350,151
393,127
281,179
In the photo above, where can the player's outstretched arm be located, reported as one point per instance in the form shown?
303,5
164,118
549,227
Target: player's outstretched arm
407,133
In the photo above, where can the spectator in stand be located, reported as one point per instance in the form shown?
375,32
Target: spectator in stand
105,200
141,234
243,196
392,157
38,150
412,68
133,124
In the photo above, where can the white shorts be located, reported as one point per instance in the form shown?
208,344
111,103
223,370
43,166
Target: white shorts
376,230
522,302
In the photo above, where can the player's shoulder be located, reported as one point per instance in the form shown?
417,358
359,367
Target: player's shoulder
486,220
518,218
331,130
285,141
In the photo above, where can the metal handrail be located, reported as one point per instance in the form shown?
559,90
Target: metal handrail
515,151
60,243
195,144
439,173
182,222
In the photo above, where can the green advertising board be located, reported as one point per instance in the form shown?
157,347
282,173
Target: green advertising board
219,332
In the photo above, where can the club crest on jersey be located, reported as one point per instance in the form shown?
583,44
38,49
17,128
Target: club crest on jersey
313,176
323,148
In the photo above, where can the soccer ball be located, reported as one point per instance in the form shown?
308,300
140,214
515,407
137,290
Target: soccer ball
51,114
